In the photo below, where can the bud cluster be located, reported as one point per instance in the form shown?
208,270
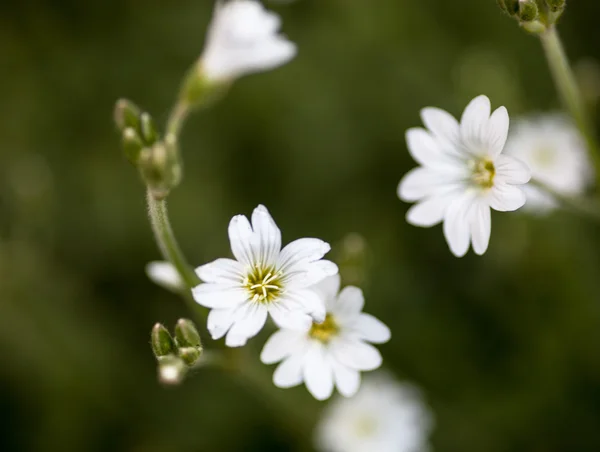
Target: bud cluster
175,355
157,160
534,15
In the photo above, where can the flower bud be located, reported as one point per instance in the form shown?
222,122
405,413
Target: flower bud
161,340
190,354
186,334
147,129
160,167
528,10
126,114
132,145
171,370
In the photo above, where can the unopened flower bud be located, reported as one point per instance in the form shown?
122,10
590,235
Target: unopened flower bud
171,370
126,114
147,129
160,168
186,334
528,10
190,354
132,145
161,340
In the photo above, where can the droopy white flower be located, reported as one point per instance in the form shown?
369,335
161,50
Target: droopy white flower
165,275
384,416
332,352
555,151
242,39
462,174
264,279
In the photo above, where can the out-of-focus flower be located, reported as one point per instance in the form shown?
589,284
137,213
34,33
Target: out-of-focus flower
165,275
556,154
264,279
462,174
330,353
242,39
385,416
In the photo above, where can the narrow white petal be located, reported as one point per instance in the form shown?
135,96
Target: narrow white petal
481,227
347,380
268,236
349,303
424,148
371,329
223,271
248,326
289,315
304,275
443,125
219,321
419,183
511,170
165,275
497,131
456,225
302,251
219,296
241,238
289,372
473,124
506,198
429,211
355,354
280,345
318,375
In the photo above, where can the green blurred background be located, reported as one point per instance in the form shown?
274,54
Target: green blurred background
505,346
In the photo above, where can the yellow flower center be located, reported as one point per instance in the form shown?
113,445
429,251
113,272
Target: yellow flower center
263,283
483,173
324,331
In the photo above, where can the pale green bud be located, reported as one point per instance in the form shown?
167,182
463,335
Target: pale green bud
147,129
126,114
160,167
186,334
161,340
190,355
171,370
528,11
132,145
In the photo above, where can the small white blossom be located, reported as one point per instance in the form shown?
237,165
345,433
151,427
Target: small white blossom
385,416
242,39
556,154
165,275
264,279
329,353
462,174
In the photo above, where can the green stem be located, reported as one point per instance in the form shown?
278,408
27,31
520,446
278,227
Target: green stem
570,94
585,207
177,118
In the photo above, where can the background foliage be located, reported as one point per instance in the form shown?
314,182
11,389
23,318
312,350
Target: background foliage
504,346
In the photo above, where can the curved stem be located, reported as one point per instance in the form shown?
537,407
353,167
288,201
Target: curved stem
177,118
584,207
570,94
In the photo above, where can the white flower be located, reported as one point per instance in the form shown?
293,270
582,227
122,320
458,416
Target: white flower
242,39
165,275
332,352
555,151
264,279
384,416
462,174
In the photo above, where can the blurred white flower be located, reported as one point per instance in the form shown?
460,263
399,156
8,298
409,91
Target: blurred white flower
556,154
165,275
385,416
462,174
242,39
332,352
264,279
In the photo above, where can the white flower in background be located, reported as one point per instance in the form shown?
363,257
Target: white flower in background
243,39
385,416
556,154
165,275
264,279
462,174
332,352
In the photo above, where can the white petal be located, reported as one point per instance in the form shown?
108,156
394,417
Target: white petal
219,296
497,131
248,326
241,238
473,124
347,380
318,375
224,271
511,170
219,321
308,301
424,148
419,183
165,275
355,353
456,225
429,211
288,315
302,251
481,227
371,329
443,125
349,303
280,345
305,275
289,372
268,236
506,198
328,288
